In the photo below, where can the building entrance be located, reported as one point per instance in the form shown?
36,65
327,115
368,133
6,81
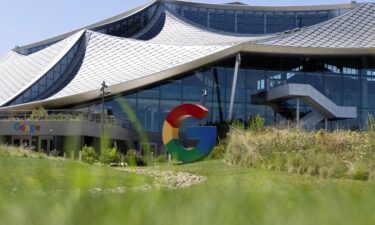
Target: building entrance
22,141
46,144
43,143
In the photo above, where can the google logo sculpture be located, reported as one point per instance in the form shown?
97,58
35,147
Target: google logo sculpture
205,134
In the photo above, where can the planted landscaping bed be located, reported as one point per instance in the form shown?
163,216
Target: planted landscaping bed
337,154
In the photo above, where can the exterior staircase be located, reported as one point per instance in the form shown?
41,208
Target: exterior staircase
309,121
323,107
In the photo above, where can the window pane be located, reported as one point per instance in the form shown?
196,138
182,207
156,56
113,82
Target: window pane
148,114
351,88
368,92
193,87
333,90
315,80
150,93
171,90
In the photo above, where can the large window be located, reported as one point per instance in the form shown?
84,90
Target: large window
368,92
193,87
197,15
148,114
252,22
129,25
316,80
333,88
212,87
172,90
352,93
280,21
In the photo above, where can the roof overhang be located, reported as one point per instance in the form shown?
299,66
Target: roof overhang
184,68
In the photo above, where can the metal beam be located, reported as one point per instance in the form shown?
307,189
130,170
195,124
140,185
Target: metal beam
234,84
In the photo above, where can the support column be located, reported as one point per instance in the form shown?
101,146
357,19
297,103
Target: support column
234,84
325,123
297,113
235,22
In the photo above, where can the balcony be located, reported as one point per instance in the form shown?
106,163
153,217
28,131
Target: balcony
63,123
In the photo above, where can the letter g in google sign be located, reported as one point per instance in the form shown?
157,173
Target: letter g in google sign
205,134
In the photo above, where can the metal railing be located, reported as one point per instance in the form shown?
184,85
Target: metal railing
64,115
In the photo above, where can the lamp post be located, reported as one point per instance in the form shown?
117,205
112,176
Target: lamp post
204,94
103,92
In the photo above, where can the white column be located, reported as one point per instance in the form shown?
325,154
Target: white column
235,22
234,84
326,124
297,113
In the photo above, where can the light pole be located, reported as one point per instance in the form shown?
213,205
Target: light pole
204,94
103,92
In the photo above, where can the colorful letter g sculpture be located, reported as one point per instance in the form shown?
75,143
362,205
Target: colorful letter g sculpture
205,134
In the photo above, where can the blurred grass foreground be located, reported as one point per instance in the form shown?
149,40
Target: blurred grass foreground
256,176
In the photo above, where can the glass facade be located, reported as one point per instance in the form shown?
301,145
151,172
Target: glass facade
347,82
252,22
130,25
32,50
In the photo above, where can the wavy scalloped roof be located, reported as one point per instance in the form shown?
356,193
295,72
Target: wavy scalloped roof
168,28
169,46
118,60
355,29
19,72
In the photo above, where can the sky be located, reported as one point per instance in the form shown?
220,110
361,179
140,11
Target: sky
27,21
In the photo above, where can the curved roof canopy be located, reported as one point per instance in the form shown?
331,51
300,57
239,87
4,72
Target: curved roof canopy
164,44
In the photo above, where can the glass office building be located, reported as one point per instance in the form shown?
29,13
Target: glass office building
310,65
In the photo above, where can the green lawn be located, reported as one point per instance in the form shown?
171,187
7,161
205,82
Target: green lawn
229,196
26,175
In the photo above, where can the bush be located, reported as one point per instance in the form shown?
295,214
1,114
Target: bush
54,153
39,114
371,123
110,156
217,153
322,153
360,173
256,123
88,155
132,158
162,159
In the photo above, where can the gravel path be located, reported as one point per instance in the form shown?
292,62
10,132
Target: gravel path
169,179
162,179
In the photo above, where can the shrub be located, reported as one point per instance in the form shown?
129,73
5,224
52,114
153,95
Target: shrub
239,125
54,153
110,156
322,153
88,155
39,114
217,153
360,173
132,158
161,159
371,123
257,123
140,161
